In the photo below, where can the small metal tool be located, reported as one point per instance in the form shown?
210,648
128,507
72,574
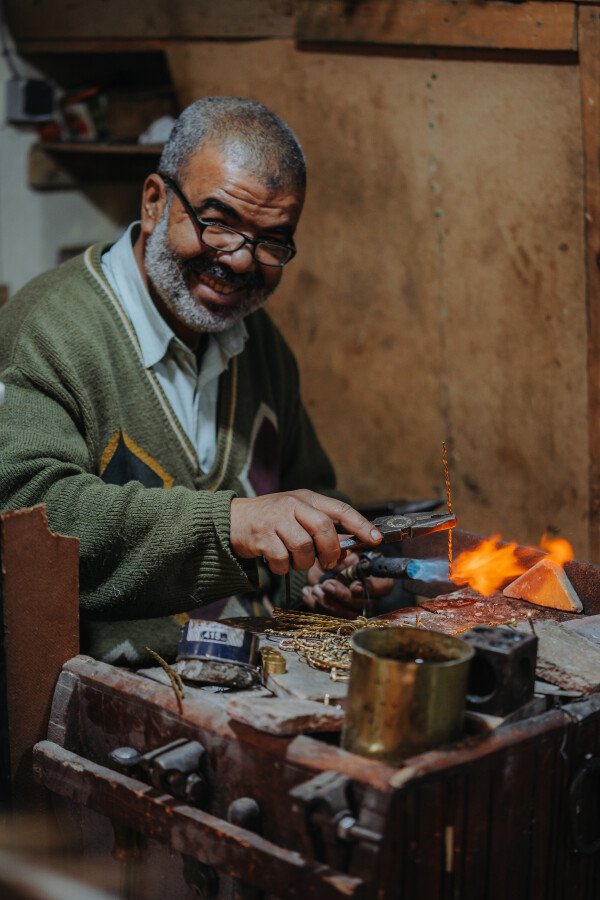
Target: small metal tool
400,528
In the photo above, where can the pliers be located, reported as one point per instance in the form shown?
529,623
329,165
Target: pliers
402,527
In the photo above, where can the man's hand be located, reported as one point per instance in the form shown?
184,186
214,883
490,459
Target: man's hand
336,599
294,528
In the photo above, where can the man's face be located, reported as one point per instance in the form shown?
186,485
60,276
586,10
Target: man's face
201,288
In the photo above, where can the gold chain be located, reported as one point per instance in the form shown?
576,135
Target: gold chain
449,496
322,641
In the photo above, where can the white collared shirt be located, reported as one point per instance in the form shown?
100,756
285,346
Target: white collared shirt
192,392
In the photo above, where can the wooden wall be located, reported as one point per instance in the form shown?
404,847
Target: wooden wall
439,289
448,283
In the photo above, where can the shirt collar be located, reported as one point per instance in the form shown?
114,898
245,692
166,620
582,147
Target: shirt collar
155,336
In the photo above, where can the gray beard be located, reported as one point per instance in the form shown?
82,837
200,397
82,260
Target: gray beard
166,271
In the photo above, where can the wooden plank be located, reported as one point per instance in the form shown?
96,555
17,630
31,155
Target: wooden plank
428,852
236,851
576,870
510,818
62,167
67,20
565,658
542,866
589,63
476,850
285,715
524,26
40,589
473,750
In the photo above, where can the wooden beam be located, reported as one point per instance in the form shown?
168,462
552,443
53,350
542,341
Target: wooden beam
70,20
40,591
52,166
589,65
505,26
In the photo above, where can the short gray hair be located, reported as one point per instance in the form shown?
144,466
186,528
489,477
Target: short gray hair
259,140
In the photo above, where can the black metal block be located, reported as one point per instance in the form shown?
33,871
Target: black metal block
502,673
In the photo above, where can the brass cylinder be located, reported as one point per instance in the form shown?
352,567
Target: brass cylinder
406,693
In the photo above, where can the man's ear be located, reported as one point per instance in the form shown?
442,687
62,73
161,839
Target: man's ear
154,198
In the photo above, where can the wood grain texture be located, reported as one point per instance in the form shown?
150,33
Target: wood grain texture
40,589
524,26
69,20
589,63
188,830
438,291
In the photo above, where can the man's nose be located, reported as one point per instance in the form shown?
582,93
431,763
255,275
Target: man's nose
240,260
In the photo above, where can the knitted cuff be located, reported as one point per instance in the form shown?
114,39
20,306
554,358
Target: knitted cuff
220,572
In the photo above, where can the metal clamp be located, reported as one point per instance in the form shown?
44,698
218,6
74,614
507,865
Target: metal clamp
179,768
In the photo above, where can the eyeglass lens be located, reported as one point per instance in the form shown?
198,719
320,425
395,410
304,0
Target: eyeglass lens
223,239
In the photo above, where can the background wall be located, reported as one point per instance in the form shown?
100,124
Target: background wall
438,293
35,226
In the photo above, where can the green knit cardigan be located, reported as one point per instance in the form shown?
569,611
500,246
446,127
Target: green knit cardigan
87,430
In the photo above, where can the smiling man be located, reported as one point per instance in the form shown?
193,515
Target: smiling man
153,406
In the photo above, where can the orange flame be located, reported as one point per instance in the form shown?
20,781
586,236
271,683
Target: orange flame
558,549
488,567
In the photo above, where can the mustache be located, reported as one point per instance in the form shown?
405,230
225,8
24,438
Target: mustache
206,266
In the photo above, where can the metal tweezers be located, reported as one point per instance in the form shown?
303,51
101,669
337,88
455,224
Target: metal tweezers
400,528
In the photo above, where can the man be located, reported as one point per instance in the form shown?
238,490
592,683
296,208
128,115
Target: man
153,406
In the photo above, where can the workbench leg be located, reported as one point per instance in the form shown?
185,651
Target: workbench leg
40,594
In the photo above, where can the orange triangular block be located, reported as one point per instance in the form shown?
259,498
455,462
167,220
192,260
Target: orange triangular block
545,584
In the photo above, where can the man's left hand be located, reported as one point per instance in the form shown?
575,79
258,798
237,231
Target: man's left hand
336,599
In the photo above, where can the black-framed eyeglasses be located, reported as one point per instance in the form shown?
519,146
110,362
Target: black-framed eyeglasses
228,240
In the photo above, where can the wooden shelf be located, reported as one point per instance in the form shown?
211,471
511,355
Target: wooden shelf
87,147
64,165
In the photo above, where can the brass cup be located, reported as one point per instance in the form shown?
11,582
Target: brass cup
398,707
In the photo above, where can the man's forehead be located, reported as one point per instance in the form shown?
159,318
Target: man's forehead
213,168
214,172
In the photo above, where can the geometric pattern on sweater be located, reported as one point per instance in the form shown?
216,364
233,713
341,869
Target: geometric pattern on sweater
123,460
260,474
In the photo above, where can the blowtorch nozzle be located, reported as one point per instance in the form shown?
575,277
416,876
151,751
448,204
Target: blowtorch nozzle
380,566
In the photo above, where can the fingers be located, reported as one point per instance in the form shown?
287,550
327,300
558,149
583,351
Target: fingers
299,525
320,529
335,599
378,587
301,545
346,516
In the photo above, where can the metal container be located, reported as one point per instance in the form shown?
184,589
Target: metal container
407,692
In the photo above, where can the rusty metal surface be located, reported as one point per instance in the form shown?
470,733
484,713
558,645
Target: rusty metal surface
40,589
466,608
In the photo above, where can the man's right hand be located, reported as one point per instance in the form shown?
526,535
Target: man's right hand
295,528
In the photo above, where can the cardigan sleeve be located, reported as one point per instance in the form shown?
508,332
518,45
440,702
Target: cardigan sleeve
144,552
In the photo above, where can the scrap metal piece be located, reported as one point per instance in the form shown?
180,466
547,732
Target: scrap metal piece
210,671
272,661
502,675
216,653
